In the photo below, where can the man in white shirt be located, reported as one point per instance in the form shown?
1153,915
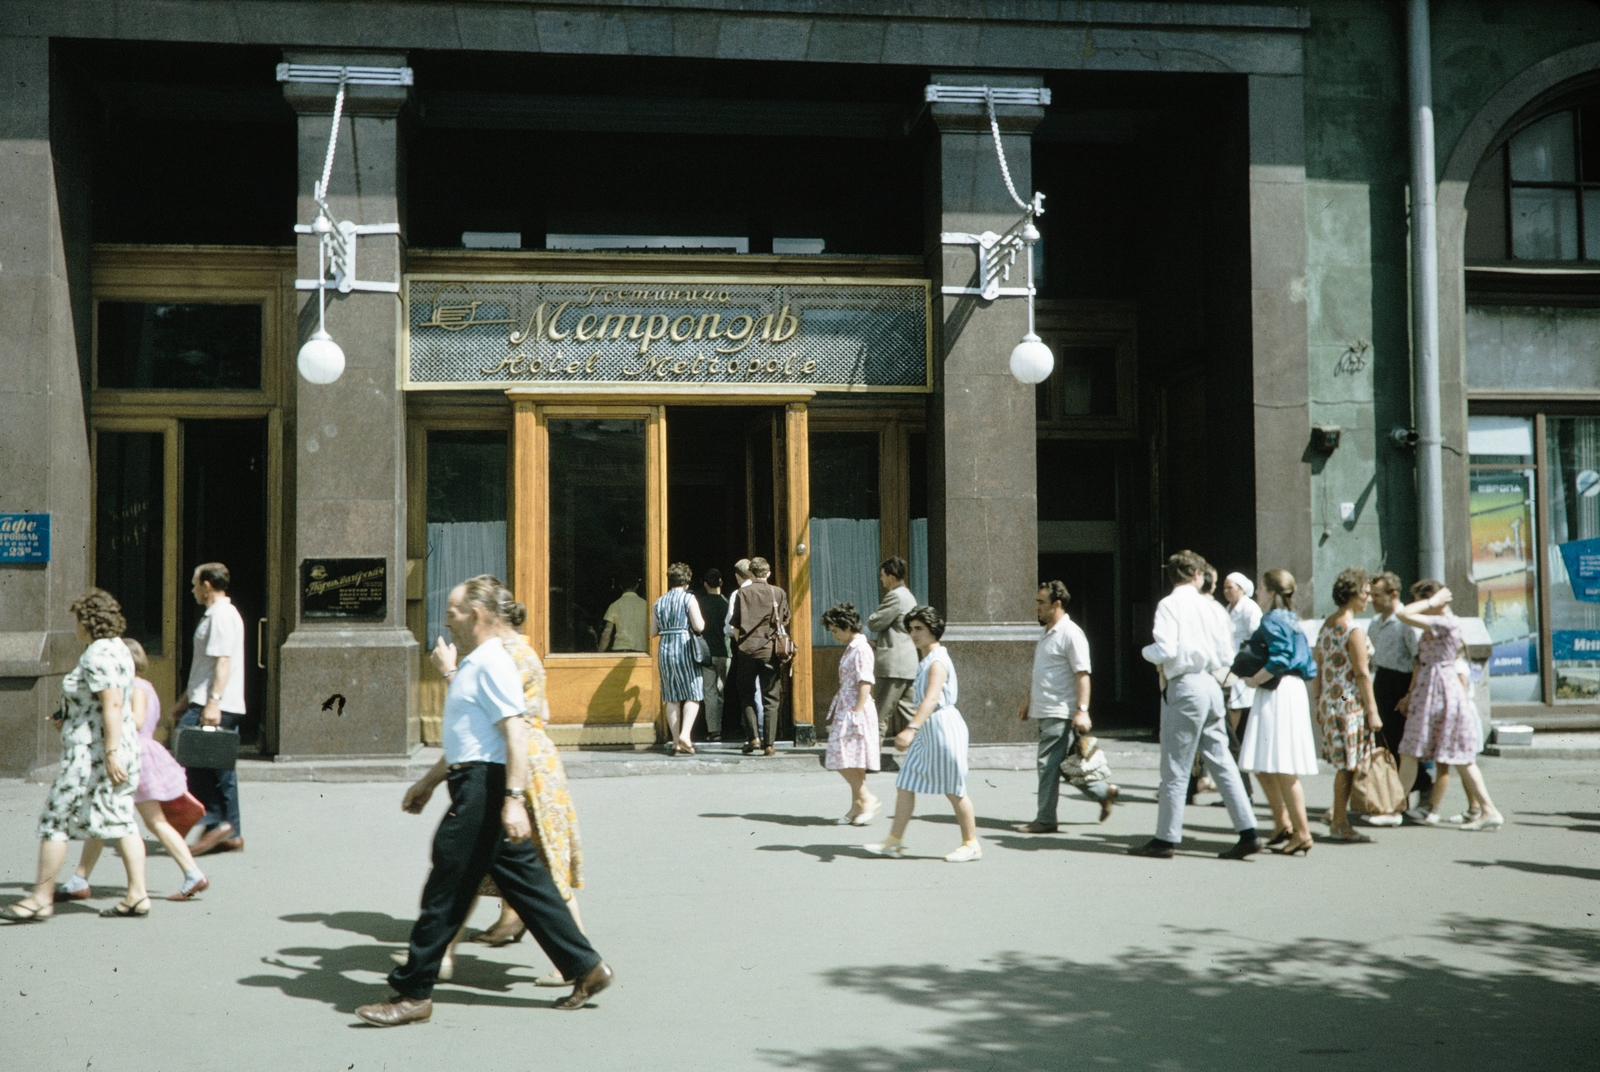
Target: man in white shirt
1394,659
1192,649
216,698
1059,703
486,829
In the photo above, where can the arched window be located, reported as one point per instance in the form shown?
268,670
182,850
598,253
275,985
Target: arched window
1552,180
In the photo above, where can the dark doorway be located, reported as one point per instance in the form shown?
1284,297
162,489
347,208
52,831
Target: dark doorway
721,499
224,508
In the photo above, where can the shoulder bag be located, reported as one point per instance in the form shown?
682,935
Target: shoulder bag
782,644
699,649
1375,787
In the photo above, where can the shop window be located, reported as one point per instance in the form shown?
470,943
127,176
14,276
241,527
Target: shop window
178,347
130,527
1552,170
845,521
917,463
1572,453
597,535
1504,551
1092,390
466,515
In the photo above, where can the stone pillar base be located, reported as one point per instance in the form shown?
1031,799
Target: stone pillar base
994,668
373,669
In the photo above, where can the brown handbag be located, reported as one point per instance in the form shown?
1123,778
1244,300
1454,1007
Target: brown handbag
782,645
1375,787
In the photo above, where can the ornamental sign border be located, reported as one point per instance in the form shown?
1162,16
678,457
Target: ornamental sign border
685,293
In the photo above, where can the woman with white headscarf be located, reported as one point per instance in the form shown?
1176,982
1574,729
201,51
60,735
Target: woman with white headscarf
1239,593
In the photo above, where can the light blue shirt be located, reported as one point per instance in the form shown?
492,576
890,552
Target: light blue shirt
486,688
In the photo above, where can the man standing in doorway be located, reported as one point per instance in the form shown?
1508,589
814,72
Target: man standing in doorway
714,678
759,610
627,621
1192,650
216,698
895,657
1059,703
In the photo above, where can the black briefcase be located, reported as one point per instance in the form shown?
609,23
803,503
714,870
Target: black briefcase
207,747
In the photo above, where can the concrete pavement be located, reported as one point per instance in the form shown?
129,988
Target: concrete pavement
748,931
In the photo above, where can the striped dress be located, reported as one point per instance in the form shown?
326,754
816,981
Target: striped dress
680,677
936,762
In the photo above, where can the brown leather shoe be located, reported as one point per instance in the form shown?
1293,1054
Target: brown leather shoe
396,1011
1112,792
1037,828
594,980
231,844
769,751
211,839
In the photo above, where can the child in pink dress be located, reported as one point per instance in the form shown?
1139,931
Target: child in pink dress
160,778
853,736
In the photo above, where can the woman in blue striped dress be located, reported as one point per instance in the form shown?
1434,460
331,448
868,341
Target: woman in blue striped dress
935,743
675,614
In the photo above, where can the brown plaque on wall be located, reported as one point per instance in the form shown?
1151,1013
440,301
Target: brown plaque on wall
344,588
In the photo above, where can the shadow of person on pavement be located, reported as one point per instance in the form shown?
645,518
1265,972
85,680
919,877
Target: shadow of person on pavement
1527,1002
766,817
320,974
825,854
1559,870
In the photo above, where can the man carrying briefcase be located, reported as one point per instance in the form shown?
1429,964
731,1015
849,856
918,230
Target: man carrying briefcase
216,698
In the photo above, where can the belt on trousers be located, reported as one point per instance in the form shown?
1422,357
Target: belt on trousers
474,763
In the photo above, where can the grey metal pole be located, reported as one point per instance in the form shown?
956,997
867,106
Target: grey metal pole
1425,298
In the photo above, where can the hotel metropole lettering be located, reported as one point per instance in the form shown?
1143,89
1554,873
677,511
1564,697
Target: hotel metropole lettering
829,336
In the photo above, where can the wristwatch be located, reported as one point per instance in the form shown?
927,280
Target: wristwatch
514,794
216,697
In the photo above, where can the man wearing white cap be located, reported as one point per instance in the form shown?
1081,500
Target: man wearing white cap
1238,592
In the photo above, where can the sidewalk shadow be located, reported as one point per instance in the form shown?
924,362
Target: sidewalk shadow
768,817
825,854
1526,1003
1559,870
324,979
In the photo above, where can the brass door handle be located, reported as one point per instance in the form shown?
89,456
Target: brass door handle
260,664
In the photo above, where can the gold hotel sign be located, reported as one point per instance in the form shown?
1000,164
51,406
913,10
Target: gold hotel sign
827,335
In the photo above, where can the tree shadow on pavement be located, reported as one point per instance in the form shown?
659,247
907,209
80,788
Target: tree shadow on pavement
1315,1004
320,973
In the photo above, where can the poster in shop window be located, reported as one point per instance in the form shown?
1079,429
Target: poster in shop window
1501,505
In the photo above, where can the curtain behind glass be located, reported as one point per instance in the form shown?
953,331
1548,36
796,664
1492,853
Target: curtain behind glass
844,569
458,550
918,581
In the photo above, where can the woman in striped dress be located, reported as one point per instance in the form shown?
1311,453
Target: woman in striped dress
675,614
935,743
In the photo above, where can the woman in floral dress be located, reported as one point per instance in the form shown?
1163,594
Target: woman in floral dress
1346,709
1441,723
92,796
853,747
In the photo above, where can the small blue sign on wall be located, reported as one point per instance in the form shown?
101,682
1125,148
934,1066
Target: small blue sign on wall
1582,559
24,538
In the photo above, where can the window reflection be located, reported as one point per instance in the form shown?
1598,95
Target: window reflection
1573,452
179,346
130,512
597,535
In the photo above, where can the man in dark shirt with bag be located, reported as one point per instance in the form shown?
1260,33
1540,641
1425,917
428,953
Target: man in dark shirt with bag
760,624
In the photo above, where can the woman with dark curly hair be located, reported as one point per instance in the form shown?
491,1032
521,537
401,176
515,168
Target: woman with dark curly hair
93,792
853,748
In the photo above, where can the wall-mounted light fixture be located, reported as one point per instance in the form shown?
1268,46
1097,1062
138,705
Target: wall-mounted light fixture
1031,359
1324,438
321,360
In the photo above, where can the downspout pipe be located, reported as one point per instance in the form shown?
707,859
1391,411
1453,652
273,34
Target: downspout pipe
1425,297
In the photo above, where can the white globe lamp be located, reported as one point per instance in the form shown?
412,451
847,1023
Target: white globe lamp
1031,361
322,361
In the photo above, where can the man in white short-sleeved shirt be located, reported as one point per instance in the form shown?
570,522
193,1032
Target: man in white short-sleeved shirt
216,698
487,830
1059,703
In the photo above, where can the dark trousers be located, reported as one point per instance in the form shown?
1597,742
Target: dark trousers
218,790
1388,686
747,674
469,843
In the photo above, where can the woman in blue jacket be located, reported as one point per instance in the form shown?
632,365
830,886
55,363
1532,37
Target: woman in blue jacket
1279,743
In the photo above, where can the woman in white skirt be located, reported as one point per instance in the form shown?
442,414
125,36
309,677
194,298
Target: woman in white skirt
1279,744
935,743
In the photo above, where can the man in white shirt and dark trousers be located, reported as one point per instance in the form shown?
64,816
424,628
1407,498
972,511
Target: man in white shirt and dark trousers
1192,650
1059,703
216,698
486,829
1394,658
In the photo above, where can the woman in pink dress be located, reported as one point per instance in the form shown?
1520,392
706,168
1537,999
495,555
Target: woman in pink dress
853,734
160,778
1441,722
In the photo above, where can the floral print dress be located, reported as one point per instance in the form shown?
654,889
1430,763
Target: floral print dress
83,803
1441,723
1341,717
555,820
852,738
